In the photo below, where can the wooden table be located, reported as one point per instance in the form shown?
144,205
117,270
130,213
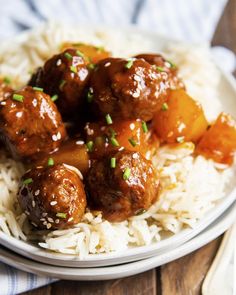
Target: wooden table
181,277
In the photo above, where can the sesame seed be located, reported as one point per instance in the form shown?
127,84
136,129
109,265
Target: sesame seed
42,219
49,225
37,192
121,149
135,94
57,221
35,102
58,62
135,156
137,78
34,224
79,142
132,126
27,212
58,135
107,64
44,214
50,219
70,219
45,222
54,137
53,203
33,203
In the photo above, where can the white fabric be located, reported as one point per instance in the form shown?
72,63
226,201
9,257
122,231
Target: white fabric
191,20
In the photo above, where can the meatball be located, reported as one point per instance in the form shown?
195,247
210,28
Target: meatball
52,197
30,124
122,185
164,65
64,77
130,89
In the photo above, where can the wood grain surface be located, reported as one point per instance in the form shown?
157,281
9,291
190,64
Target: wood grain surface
180,277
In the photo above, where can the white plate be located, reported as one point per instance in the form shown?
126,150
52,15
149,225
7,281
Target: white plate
124,270
227,90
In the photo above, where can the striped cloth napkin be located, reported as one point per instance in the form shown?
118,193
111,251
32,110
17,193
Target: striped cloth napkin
191,20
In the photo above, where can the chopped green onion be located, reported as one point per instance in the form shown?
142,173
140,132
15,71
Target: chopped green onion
92,66
165,107
129,64
132,142
100,48
108,119
61,215
18,97
114,141
160,69
62,83
113,163
54,97
126,173
50,162
6,80
73,69
90,95
38,89
28,181
68,56
180,139
112,131
90,145
144,127
172,65
79,53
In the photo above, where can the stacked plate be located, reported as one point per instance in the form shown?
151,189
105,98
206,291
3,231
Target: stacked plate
105,267
31,258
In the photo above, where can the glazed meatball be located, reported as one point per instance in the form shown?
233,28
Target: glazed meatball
129,89
122,185
30,123
163,65
52,197
64,77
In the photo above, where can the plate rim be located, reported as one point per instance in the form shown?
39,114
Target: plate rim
127,269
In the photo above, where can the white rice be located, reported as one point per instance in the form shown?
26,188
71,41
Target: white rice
191,185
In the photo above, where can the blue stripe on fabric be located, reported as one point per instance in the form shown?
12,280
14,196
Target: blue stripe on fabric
12,275
9,285
137,9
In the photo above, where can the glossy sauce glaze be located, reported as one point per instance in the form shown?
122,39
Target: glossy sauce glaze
128,89
122,184
106,117
52,197
30,123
